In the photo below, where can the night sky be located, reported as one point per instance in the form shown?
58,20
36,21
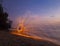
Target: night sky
17,8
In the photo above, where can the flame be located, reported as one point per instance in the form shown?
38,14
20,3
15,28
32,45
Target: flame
21,27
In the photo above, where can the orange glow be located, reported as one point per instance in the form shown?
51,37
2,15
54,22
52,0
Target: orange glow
25,35
34,37
21,26
20,31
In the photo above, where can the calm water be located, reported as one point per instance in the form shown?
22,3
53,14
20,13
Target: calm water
46,31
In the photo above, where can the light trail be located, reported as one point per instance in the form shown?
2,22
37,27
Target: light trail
26,35
35,37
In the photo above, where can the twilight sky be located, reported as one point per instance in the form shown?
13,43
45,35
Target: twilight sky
45,8
41,17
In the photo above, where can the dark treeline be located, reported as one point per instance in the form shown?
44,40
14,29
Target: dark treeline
5,23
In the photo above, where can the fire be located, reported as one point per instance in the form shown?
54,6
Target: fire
21,27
